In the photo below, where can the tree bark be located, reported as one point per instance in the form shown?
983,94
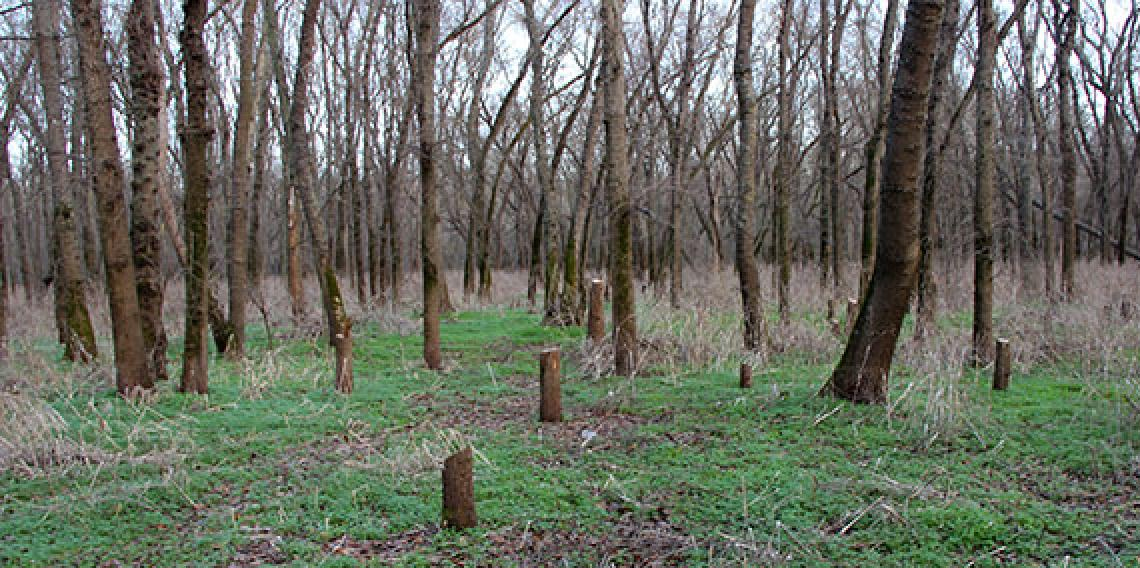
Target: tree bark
427,15
874,150
1067,29
863,371
617,193
784,164
755,329
76,331
303,181
985,170
131,366
196,137
248,91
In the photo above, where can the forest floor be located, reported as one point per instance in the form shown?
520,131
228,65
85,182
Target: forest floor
675,467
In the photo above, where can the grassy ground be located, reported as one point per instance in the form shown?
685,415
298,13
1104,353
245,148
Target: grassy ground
678,467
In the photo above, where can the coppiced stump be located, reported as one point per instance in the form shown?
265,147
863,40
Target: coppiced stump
745,376
459,491
1002,365
550,385
131,369
863,370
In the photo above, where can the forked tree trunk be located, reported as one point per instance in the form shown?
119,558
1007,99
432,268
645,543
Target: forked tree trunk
755,329
131,367
985,170
617,193
304,180
76,332
864,368
248,92
873,152
427,14
196,137
148,161
926,300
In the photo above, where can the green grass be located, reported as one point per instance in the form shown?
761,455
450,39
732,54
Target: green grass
682,464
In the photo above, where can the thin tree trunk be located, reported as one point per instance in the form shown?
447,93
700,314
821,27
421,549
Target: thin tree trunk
1067,29
131,366
863,371
617,193
248,92
427,15
755,329
872,165
985,170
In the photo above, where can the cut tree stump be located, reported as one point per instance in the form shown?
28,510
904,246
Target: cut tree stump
550,393
745,376
459,491
596,321
1002,365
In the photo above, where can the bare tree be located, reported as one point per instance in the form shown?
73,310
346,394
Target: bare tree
985,170
1066,30
863,370
426,23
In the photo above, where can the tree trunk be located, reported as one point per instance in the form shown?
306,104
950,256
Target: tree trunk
617,193
196,137
755,329
131,366
985,169
926,302
427,15
76,332
1028,39
873,152
248,92
863,371
304,181
1067,29
784,164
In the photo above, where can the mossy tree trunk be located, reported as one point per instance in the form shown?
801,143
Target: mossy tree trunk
755,328
863,371
76,331
131,366
303,181
196,137
617,192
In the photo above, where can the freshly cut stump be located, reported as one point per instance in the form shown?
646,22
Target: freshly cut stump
550,386
459,491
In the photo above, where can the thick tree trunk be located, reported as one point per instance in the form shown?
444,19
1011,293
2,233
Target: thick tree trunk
148,157
863,371
248,92
755,329
427,15
985,170
131,366
76,332
196,137
617,193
